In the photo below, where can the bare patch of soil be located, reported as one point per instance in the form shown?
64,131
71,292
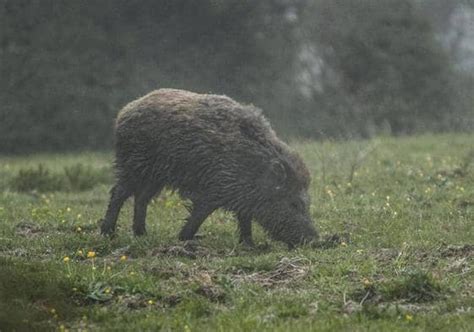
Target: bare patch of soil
27,229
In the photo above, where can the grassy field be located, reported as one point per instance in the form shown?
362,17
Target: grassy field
404,207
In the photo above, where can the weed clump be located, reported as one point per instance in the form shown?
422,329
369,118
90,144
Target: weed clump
416,286
38,178
77,177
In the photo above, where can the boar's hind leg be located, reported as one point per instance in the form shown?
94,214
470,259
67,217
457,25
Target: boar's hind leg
245,229
118,195
198,214
142,198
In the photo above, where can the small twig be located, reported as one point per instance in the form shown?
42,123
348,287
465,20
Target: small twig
359,158
365,298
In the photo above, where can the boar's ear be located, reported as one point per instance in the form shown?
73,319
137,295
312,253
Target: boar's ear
252,130
278,172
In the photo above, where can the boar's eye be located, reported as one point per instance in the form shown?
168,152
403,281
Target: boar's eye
278,171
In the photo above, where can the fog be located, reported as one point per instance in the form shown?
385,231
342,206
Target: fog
319,69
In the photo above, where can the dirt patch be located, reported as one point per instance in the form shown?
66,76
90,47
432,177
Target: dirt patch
132,301
459,266
189,250
367,294
172,300
120,252
287,270
332,241
426,257
460,251
162,272
386,254
211,292
27,229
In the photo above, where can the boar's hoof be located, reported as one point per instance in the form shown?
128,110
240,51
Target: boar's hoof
139,231
247,243
105,228
191,245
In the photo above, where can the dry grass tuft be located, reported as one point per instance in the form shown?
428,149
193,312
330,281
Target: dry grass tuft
287,270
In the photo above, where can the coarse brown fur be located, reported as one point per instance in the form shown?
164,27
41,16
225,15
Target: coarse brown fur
218,154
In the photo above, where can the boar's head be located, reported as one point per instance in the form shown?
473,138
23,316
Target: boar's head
283,205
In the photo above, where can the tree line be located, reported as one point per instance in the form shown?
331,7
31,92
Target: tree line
317,68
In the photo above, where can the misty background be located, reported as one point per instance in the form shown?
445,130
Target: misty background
318,68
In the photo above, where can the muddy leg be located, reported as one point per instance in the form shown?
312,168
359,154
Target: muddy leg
118,195
245,230
198,214
142,199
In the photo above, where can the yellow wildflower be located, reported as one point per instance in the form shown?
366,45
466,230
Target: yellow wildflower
408,317
66,259
123,258
91,254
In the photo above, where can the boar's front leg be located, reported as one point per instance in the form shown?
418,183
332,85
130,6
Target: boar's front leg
245,230
199,213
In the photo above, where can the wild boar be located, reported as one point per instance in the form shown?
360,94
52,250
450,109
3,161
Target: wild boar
215,152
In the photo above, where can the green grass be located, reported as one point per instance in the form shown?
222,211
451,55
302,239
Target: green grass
406,206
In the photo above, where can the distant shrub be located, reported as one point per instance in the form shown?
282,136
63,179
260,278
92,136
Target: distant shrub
77,177
80,177
38,178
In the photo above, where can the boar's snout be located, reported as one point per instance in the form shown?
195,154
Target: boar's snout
296,231
306,234
289,223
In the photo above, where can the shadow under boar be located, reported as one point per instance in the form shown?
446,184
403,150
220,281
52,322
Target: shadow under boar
218,154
